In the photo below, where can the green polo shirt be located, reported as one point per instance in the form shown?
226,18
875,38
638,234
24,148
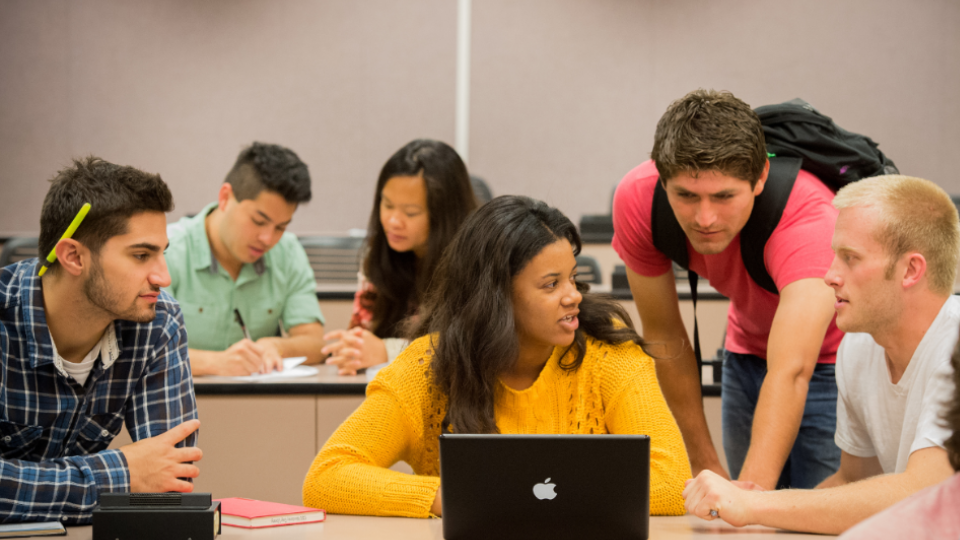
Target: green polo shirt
279,286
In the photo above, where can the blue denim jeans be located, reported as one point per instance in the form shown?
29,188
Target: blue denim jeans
815,455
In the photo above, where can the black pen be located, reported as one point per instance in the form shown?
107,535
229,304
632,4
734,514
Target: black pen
243,327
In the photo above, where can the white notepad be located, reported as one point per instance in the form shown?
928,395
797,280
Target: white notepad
291,370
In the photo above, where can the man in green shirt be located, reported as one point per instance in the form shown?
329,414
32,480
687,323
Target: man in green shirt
236,255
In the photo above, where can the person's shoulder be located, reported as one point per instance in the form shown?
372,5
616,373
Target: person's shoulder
854,353
808,188
951,309
409,376
13,279
187,225
637,186
615,360
944,339
184,235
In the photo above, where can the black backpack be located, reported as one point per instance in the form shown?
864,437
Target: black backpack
797,137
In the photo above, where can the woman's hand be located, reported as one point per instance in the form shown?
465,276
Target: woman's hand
354,349
437,507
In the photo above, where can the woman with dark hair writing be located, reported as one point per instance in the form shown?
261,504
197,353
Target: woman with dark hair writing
511,343
423,195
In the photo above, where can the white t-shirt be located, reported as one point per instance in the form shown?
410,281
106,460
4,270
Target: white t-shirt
80,371
891,421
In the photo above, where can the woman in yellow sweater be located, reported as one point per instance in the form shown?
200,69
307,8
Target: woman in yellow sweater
510,343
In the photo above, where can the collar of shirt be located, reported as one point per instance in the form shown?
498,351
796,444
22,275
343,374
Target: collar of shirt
196,234
39,342
107,349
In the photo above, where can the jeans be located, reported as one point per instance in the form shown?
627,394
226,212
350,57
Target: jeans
814,455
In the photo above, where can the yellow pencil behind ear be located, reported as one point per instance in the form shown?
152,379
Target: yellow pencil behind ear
77,220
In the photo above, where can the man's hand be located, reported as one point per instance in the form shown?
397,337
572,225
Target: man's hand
272,353
156,464
708,491
245,358
355,349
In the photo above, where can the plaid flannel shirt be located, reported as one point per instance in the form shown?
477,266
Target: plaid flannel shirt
54,433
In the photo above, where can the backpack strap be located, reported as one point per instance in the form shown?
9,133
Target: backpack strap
668,236
767,210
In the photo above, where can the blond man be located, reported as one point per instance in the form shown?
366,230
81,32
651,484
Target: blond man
896,252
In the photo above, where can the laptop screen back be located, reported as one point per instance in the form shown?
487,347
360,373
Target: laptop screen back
545,486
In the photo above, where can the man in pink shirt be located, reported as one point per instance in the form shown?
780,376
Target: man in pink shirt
779,391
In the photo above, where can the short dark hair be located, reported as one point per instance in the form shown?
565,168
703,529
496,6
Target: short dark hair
115,193
708,130
952,416
269,166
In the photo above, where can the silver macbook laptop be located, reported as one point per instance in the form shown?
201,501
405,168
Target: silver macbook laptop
545,486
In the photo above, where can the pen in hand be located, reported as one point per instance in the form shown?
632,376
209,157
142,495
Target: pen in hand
246,334
243,327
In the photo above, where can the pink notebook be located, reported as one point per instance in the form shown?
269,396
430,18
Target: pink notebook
253,514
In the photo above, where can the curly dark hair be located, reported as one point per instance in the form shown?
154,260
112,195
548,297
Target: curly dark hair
708,130
115,194
469,306
952,415
269,166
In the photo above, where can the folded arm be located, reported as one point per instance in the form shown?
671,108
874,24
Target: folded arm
64,489
351,473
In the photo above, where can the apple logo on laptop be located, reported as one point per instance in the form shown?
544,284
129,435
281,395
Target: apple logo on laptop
545,490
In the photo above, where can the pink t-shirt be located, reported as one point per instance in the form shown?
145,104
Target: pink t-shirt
933,513
798,248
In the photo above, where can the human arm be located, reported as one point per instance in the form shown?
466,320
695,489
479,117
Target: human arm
25,493
637,407
350,475
301,340
161,417
796,336
825,511
667,342
150,399
242,358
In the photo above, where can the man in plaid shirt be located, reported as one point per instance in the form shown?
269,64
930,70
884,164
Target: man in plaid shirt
91,345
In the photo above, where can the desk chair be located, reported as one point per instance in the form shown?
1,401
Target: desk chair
334,259
588,270
18,249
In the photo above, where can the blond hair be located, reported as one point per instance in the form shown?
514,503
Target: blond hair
915,215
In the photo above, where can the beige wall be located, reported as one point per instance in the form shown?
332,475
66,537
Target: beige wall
565,93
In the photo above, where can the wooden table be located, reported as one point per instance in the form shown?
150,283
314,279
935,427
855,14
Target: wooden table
360,528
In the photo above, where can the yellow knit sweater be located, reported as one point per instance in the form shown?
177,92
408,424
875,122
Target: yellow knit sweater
615,390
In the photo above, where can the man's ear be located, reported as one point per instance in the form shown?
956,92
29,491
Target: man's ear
72,256
758,187
225,196
915,269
